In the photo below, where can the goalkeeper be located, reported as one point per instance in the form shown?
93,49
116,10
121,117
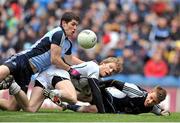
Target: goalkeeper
121,97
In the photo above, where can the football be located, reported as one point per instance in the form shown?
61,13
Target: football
87,39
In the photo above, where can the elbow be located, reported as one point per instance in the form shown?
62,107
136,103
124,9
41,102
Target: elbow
53,60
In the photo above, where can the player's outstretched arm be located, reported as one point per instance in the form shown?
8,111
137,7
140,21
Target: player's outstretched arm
96,93
109,83
72,60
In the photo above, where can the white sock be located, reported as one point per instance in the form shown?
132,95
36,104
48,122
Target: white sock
14,88
57,92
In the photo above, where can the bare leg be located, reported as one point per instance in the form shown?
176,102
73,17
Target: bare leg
4,71
64,91
68,92
22,100
36,99
9,104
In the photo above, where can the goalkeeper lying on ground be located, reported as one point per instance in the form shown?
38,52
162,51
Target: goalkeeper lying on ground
120,97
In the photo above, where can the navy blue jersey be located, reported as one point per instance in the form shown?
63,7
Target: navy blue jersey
39,55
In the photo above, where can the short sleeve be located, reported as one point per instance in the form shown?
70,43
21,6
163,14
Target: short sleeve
57,38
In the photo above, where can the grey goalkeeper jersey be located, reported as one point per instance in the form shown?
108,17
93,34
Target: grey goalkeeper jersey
129,99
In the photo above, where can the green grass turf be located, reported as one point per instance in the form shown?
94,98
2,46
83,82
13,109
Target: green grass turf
68,116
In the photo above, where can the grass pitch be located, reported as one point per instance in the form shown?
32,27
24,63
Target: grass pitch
68,116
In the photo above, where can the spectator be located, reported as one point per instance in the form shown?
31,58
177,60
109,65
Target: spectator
3,28
111,38
161,31
145,31
156,66
175,29
175,66
136,47
131,63
174,59
21,39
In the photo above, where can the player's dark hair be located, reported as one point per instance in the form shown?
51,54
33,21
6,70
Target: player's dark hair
69,16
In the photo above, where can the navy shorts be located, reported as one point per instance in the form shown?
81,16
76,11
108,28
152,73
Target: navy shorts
20,69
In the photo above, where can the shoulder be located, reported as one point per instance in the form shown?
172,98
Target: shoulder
91,65
93,69
131,85
57,30
134,90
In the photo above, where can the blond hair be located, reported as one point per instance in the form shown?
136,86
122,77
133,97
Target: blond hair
160,92
117,60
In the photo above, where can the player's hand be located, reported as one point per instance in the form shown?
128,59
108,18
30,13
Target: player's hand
165,113
74,73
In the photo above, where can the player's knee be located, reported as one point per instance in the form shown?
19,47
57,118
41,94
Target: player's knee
4,71
73,99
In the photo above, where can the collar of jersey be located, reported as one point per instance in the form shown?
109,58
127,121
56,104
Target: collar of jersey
63,30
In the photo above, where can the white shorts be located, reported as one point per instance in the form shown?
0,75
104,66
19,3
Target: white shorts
45,77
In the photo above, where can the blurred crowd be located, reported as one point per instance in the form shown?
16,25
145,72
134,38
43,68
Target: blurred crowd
146,33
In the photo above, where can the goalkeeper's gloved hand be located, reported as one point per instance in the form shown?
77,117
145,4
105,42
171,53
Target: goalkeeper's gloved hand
165,113
74,73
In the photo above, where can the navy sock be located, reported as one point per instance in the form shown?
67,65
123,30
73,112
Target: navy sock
73,107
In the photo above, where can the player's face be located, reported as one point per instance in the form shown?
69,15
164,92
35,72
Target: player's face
107,69
151,99
70,27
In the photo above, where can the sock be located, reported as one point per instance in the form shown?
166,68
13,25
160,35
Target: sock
73,107
14,88
57,92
